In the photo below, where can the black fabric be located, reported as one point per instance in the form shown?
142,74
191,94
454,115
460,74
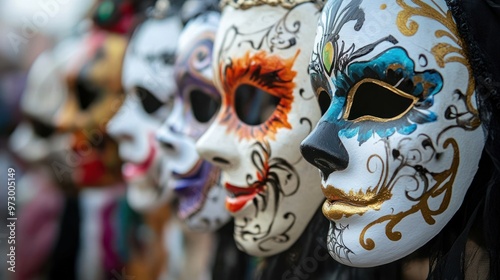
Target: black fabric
64,255
451,265
478,22
447,250
483,18
229,263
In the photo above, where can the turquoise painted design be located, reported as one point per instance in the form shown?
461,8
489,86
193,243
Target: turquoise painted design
395,68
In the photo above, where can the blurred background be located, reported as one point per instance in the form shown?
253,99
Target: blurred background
73,220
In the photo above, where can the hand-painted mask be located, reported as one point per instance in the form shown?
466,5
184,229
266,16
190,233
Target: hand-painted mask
92,76
401,139
261,56
34,140
148,78
195,181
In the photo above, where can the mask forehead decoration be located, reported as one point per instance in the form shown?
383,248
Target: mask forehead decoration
148,79
400,141
260,59
92,77
195,181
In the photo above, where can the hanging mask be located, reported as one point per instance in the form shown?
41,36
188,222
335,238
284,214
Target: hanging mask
36,140
92,76
195,181
261,54
148,78
400,141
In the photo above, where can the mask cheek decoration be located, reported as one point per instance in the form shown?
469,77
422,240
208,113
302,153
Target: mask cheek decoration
400,141
195,182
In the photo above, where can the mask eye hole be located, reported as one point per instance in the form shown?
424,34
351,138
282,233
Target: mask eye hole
203,105
41,129
375,100
86,94
254,105
324,101
149,102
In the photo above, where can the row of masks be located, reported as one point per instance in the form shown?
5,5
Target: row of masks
270,111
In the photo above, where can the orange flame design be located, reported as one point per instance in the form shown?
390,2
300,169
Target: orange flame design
270,73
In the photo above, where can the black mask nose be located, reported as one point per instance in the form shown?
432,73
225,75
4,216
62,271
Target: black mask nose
323,149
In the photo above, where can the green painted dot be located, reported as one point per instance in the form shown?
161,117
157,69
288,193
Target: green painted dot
105,10
328,56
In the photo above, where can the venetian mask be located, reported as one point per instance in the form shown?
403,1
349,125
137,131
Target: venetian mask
92,77
400,141
195,181
35,139
261,55
148,78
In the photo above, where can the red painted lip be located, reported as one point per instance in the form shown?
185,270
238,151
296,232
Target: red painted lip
131,170
240,196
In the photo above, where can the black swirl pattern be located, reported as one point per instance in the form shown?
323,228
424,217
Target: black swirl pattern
279,178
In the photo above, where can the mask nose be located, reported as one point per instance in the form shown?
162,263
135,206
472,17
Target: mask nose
323,149
215,147
166,137
120,126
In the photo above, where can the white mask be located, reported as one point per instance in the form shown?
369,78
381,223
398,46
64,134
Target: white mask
195,181
260,61
148,78
401,140
35,139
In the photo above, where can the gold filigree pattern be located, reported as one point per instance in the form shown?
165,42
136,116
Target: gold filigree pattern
271,73
442,187
443,52
287,4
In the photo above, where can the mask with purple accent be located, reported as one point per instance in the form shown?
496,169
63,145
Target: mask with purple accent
195,181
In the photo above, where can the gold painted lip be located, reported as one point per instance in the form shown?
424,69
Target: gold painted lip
341,204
